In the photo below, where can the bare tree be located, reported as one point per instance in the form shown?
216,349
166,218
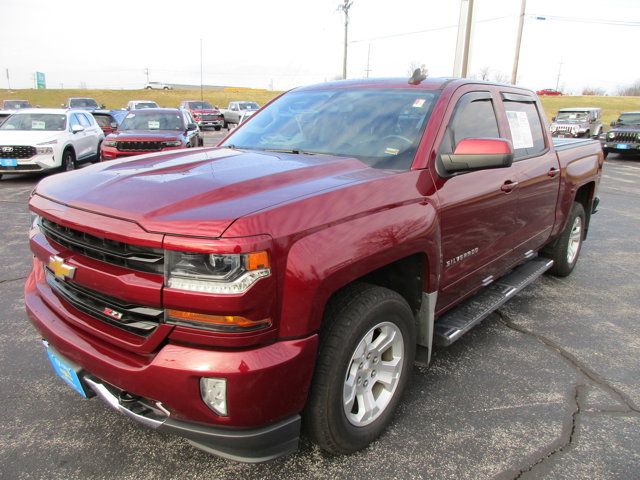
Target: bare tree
500,77
632,90
483,74
593,91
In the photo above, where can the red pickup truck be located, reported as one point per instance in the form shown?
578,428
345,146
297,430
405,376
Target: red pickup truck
296,272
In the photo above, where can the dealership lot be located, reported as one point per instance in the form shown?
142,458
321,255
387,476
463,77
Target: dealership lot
548,387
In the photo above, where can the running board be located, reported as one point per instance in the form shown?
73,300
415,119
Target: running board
455,323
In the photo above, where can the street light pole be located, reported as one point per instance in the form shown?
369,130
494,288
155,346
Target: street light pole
201,96
514,73
467,40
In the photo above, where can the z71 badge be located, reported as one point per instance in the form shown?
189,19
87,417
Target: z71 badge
462,256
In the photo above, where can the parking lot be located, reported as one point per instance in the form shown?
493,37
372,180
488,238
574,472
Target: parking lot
545,388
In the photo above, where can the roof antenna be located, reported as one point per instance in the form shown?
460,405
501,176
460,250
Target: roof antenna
417,77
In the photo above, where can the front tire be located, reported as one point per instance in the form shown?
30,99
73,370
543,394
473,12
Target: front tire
68,161
366,354
565,250
217,129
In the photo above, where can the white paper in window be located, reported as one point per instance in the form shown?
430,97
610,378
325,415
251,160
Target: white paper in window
154,124
37,125
520,129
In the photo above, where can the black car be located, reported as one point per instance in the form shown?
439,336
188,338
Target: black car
624,136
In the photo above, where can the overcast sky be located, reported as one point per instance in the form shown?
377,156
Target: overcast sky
286,43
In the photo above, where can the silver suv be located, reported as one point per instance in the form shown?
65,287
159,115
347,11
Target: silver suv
577,122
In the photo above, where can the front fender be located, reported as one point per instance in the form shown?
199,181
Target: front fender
326,260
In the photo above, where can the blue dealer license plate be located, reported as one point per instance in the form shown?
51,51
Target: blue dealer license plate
8,162
622,146
65,371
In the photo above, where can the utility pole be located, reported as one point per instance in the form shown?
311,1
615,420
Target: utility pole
345,8
8,79
463,42
201,96
559,71
368,69
514,73
146,72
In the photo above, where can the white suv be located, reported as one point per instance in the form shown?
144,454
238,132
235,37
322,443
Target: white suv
158,86
35,140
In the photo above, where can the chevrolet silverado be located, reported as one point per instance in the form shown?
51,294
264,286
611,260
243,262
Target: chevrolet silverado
292,275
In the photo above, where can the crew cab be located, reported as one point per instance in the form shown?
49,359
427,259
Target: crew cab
577,123
296,272
204,113
15,104
624,136
36,140
151,130
237,112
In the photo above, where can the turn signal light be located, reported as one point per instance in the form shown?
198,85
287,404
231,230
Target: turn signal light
231,323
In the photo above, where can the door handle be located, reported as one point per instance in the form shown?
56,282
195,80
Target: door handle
508,186
553,172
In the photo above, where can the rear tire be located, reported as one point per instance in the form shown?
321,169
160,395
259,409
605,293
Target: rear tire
366,354
565,250
217,129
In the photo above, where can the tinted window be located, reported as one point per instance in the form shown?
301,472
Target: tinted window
153,120
83,103
35,121
74,120
103,120
526,129
84,121
474,117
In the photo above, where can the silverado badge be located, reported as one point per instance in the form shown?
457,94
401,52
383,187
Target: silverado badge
61,270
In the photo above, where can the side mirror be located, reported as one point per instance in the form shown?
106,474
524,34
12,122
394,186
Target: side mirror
191,127
77,128
103,106
479,154
114,125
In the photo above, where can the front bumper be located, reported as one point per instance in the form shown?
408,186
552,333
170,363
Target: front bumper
621,147
267,386
37,163
566,134
111,153
210,123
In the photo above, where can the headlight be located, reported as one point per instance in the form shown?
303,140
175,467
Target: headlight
173,143
611,135
215,273
110,143
44,150
34,219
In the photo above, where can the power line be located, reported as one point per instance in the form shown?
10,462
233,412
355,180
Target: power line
435,29
620,23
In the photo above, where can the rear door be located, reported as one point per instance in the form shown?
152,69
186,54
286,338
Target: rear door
538,172
477,209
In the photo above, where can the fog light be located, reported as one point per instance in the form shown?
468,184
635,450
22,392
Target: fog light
214,394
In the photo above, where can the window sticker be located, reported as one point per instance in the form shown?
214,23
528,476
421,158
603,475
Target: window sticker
154,125
419,103
520,129
37,125
391,151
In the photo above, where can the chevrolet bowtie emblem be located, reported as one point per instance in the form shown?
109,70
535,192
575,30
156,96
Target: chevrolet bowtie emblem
60,269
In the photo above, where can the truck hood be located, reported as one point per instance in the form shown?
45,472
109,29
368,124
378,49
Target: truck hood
138,135
625,128
27,137
197,192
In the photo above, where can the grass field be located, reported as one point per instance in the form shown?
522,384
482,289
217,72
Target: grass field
611,106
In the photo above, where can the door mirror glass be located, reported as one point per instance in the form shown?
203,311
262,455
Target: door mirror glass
114,125
479,154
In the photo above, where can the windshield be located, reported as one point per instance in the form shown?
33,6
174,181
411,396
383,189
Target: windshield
35,121
152,120
16,104
145,105
629,119
382,128
572,117
200,105
83,102
248,106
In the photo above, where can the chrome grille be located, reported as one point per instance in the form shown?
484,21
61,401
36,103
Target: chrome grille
145,259
17,151
134,318
629,137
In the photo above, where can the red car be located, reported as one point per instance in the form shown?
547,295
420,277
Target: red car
549,92
298,270
204,114
151,130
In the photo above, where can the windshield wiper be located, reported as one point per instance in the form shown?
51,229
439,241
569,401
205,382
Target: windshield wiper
294,151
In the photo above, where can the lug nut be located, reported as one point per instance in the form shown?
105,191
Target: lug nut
373,374
366,383
360,366
368,356
359,380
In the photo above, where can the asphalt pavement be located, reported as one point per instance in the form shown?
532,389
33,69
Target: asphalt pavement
547,387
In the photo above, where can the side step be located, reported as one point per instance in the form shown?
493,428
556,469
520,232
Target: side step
455,323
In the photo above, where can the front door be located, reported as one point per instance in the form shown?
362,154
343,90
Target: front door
478,209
